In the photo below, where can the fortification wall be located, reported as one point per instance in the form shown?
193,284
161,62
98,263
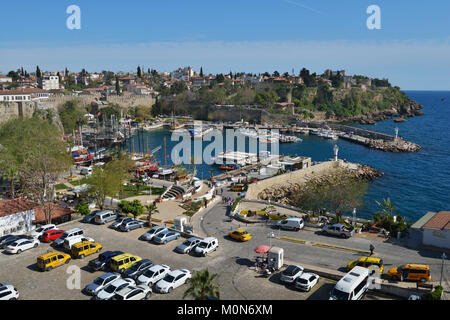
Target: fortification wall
11,110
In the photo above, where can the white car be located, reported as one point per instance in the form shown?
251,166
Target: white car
414,297
111,289
21,245
133,293
173,280
153,275
306,281
8,292
153,232
291,273
39,231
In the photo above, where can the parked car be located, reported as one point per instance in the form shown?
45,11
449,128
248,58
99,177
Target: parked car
102,261
137,269
291,223
173,280
414,297
366,262
153,232
338,230
306,281
87,171
8,292
90,218
153,275
241,235
188,245
68,243
10,238
291,273
124,261
100,282
110,290
50,260
133,293
72,233
121,220
238,187
51,235
85,248
412,272
39,231
105,216
166,236
206,246
21,245
131,225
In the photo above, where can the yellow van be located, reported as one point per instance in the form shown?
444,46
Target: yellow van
124,261
85,248
366,262
412,272
51,260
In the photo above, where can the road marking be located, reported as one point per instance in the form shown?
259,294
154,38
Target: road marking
318,244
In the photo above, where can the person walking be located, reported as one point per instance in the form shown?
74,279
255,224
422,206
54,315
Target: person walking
371,249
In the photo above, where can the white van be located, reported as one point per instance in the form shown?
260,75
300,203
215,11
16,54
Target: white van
69,242
105,216
72,233
291,224
352,286
206,246
86,171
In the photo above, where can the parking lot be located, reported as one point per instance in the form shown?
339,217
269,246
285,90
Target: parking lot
236,277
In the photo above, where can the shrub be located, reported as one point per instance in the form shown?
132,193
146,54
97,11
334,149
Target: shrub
134,207
434,295
82,208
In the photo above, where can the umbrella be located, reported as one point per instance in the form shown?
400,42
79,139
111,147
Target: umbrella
262,249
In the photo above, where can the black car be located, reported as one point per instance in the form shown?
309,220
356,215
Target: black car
137,269
102,261
10,238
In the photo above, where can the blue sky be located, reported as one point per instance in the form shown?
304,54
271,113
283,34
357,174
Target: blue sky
412,49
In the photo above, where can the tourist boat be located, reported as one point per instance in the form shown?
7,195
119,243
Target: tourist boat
248,133
229,167
200,132
289,139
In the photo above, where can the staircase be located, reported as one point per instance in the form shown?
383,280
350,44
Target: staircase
172,193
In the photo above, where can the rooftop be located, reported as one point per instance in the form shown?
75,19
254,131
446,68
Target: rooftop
439,221
13,206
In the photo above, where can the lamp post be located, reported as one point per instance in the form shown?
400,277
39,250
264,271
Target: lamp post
336,151
354,216
442,267
270,236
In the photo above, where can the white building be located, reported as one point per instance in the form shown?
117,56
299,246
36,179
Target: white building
433,229
14,96
49,82
184,74
16,216
5,79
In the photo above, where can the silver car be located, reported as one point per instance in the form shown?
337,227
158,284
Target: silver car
188,245
291,273
131,225
153,232
116,224
100,283
110,290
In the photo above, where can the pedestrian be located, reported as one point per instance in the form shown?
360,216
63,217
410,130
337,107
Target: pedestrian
371,249
206,203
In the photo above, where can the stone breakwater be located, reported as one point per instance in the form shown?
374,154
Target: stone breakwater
286,193
398,145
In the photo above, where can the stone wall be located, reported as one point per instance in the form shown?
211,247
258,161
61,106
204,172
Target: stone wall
11,110
291,177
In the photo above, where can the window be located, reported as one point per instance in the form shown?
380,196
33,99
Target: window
54,258
361,286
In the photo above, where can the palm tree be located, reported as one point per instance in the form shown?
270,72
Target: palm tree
151,210
202,286
211,171
387,209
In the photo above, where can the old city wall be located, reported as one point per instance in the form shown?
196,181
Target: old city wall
11,110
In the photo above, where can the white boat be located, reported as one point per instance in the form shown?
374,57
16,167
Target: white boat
248,133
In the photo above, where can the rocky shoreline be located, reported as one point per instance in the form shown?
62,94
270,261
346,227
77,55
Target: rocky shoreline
285,194
398,113
398,145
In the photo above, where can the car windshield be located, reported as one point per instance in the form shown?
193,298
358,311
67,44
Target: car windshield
14,244
339,295
111,288
134,267
187,243
302,281
98,281
169,278
290,271
244,232
40,229
202,244
149,273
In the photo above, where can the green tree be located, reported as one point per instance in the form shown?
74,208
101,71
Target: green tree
139,73
38,72
202,286
82,208
151,210
71,114
134,207
117,86
387,207
201,71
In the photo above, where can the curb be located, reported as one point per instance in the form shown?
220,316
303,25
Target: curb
324,245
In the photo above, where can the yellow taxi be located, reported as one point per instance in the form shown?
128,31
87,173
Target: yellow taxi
366,262
238,187
413,272
240,234
85,248
51,260
124,261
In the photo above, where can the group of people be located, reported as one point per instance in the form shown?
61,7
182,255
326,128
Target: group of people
227,200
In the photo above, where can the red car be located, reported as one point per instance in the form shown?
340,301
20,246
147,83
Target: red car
51,235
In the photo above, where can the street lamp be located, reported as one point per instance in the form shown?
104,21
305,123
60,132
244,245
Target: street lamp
442,267
354,216
336,150
271,235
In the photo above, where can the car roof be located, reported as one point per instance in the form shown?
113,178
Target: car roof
125,290
193,238
106,275
307,275
209,239
177,272
53,230
51,254
82,243
19,241
124,255
158,267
